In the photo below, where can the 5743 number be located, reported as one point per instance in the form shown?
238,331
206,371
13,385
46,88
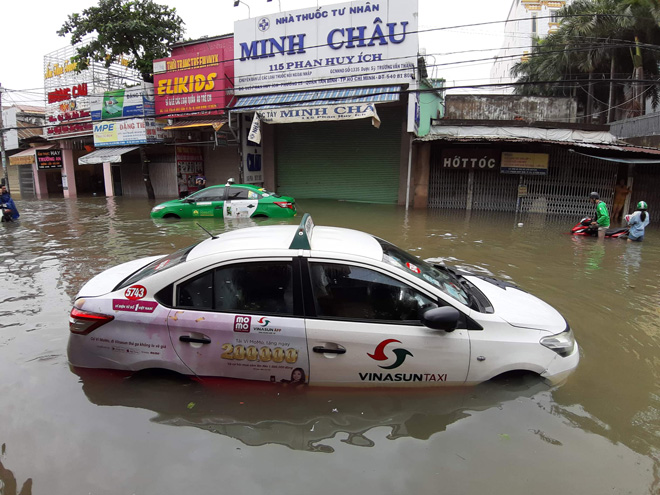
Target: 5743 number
263,354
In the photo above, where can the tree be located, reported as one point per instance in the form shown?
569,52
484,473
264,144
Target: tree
141,29
597,41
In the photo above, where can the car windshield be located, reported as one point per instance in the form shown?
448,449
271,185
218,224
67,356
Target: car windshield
157,266
394,256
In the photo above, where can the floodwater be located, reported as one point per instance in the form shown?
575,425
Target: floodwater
98,433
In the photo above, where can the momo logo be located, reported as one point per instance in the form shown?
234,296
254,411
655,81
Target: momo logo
263,321
379,354
242,324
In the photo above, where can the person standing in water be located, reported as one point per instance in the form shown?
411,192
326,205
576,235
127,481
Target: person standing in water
638,222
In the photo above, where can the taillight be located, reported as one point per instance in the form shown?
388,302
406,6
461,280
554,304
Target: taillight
285,204
83,322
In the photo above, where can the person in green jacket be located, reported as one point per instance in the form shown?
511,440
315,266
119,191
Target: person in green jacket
602,215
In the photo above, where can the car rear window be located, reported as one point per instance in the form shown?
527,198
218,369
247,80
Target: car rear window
159,265
394,256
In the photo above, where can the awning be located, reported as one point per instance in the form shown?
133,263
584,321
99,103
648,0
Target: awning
26,157
317,98
111,155
186,124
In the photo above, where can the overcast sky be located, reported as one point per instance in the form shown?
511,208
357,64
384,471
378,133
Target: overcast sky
29,32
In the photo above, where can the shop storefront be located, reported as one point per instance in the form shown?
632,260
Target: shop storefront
193,88
38,171
69,95
535,177
327,119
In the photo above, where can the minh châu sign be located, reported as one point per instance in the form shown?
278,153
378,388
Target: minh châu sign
350,44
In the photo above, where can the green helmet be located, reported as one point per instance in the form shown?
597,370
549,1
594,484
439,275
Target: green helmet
642,205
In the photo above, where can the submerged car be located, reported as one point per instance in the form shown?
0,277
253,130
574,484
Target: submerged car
228,201
318,306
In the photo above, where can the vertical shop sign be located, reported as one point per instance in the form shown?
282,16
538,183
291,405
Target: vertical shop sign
252,153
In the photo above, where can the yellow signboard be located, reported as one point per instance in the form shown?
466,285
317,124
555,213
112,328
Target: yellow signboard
524,163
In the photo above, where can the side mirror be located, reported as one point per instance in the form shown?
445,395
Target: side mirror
443,318
188,200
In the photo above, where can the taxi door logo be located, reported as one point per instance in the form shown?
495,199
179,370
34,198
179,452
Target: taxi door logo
242,324
263,321
400,353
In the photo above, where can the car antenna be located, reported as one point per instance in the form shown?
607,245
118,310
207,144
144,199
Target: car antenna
212,236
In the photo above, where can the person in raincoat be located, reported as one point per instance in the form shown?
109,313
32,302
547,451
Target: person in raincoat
9,210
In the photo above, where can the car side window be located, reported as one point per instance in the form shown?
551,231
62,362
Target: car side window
215,194
259,287
357,293
238,193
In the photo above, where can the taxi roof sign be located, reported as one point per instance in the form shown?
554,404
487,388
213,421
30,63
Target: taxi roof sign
303,237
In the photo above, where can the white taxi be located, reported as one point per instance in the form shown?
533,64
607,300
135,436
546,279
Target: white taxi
318,306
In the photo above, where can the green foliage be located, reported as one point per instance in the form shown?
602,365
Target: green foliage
139,29
593,36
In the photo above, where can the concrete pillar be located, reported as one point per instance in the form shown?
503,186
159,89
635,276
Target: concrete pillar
107,179
268,153
422,170
69,171
40,183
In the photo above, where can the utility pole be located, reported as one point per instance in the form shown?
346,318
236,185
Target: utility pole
2,145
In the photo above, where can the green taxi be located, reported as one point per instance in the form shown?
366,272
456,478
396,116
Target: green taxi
228,201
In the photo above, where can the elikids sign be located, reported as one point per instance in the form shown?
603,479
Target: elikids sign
350,44
195,81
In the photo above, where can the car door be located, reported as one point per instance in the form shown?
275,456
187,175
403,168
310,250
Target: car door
241,202
242,320
208,202
366,330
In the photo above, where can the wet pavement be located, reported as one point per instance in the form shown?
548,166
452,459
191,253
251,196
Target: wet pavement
101,433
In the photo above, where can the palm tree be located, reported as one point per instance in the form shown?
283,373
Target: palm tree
598,41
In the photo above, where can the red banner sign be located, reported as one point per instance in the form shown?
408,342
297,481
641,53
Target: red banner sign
195,80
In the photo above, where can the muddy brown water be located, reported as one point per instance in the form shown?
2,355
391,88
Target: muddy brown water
97,433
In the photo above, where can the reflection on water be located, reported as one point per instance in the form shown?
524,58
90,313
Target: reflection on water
301,419
608,291
8,483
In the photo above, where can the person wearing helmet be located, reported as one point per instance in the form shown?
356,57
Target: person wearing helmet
638,222
602,215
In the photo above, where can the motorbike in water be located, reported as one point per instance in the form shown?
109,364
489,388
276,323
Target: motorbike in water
7,214
584,227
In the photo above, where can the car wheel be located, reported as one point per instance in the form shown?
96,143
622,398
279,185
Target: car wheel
171,215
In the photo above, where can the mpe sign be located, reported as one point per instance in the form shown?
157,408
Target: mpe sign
349,44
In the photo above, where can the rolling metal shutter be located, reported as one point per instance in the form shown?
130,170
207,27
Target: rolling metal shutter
564,190
349,160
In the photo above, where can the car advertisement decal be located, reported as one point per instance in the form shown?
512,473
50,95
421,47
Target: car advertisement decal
255,347
141,335
135,292
242,324
134,306
379,354
413,268
400,355
162,265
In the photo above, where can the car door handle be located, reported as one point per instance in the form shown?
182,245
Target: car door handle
324,350
250,206
195,340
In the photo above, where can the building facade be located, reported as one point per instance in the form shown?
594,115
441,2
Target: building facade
527,21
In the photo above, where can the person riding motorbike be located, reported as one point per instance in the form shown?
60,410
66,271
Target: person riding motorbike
9,210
